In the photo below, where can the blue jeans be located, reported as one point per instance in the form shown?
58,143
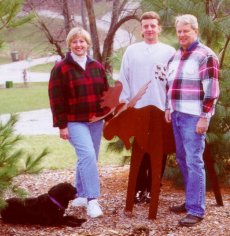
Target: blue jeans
85,138
189,155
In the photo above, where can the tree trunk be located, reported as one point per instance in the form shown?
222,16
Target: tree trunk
83,15
208,33
116,21
93,30
67,16
108,42
118,8
207,7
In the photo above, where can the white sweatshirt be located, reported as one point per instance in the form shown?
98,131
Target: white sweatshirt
143,62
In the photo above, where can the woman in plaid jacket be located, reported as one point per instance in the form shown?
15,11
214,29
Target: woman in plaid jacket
75,88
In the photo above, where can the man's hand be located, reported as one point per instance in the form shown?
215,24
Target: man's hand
64,133
202,125
168,117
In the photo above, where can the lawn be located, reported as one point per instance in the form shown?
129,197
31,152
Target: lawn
35,96
44,68
5,59
62,154
19,98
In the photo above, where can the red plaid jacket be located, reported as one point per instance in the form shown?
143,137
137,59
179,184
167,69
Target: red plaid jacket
75,93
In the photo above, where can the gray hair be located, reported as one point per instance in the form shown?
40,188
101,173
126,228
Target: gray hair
76,32
187,19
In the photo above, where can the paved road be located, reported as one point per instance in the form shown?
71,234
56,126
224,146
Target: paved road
36,122
14,71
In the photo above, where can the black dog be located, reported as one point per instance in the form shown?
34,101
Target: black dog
47,209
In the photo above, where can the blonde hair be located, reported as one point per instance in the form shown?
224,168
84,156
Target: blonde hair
151,15
78,32
187,19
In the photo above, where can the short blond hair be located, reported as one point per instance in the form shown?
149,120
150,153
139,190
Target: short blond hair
187,19
78,32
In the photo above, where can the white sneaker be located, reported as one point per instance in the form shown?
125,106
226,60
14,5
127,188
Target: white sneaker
79,202
93,209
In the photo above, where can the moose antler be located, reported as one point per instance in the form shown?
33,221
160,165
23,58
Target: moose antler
110,99
138,96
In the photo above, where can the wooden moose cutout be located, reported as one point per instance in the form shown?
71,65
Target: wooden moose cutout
152,135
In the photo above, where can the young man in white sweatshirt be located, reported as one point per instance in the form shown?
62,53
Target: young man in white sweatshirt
142,62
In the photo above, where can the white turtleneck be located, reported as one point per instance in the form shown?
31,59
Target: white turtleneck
80,60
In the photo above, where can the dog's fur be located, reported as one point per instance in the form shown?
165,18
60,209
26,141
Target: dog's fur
42,210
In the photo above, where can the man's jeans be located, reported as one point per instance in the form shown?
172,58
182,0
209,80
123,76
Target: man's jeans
85,138
189,155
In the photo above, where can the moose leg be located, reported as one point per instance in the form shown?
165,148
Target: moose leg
135,163
144,179
212,174
156,166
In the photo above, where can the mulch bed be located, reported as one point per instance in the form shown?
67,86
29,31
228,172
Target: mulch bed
115,221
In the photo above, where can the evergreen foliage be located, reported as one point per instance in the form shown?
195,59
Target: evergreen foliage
14,161
219,130
9,14
116,146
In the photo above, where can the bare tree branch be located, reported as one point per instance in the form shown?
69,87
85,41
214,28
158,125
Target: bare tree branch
108,43
119,16
53,39
224,51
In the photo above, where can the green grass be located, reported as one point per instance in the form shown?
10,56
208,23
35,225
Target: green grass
116,59
18,99
5,60
62,154
42,68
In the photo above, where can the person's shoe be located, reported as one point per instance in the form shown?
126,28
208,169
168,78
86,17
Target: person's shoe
190,220
148,197
140,196
178,209
79,202
94,209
